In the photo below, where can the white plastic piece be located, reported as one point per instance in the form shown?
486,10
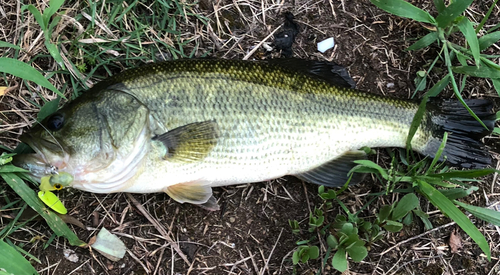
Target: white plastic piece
70,255
326,44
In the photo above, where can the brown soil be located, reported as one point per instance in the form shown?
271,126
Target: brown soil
250,234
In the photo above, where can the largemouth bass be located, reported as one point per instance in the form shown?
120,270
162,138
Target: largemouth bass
185,126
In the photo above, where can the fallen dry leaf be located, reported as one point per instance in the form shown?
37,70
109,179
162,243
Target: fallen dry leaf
455,241
3,90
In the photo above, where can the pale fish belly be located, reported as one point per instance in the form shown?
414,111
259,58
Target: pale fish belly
260,156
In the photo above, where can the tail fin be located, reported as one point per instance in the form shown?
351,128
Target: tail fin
463,147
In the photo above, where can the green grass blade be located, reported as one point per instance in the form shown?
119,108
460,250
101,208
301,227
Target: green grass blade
48,109
439,152
25,71
4,44
487,40
415,123
470,174
451,12
373,165
496,84
485,18
481,71
54,52
467,29
449,209
36,13
457,193
438,87
13,262
423,42
485,214
404,9
9,168
28,195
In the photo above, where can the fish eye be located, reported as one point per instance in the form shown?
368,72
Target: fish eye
55,122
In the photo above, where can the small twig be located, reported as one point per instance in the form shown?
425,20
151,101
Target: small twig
270,254
417,237
138,261
159,228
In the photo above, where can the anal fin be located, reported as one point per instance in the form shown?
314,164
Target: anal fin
334,173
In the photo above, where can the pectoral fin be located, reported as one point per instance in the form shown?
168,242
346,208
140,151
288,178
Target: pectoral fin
193,192
191,142
334,173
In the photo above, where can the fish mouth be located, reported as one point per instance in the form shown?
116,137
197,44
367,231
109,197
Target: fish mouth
39,163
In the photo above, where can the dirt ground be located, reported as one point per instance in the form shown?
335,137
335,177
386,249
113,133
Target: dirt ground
250,234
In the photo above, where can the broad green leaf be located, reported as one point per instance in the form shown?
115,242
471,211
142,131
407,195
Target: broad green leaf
487,40
48,109
28,195
313,252
496,131
438,87
54,5
339,260
357,253
332,242
4,44
485,214
393,226
25,71
439,5
13,262
408,219
384,213
467,29
405,205
296,256
404,9
449,209
455,9
423,42
424,218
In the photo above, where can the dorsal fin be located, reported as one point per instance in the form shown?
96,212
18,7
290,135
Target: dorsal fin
326,71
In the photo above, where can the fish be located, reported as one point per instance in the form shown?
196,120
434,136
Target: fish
185,126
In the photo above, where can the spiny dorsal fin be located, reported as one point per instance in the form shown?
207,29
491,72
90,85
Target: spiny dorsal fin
327,71
334,173
191,142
